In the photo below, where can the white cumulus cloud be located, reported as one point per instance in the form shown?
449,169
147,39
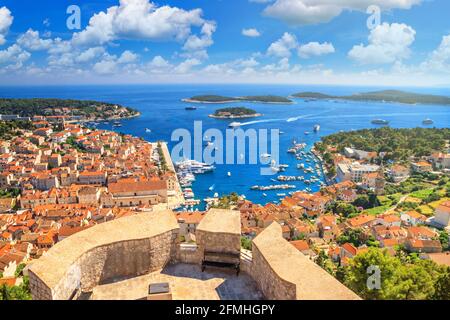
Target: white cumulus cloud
32,41
251,32
6,20
127,57
187,65
439,59
14,55
139,19
283,46
388,43
90,54
195,45
304,12
315,49
105,67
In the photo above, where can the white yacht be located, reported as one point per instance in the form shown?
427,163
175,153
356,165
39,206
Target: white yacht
234,125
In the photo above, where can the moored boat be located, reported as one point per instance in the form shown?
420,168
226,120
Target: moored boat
380,121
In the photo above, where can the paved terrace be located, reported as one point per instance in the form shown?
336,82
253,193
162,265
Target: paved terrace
187,282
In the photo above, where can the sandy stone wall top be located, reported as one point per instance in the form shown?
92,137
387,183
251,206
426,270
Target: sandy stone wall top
291,266
54,265
221,221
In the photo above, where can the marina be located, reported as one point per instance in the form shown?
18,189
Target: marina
153,102
273,187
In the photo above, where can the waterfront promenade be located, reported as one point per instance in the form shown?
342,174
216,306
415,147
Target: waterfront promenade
176,199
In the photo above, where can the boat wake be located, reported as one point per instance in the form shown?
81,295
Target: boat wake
260,121
308,116
292,119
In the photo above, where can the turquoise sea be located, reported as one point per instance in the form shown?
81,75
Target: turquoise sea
163,111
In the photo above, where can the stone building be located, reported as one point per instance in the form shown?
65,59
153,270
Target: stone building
130,193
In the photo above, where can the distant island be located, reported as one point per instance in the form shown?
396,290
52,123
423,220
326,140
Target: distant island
385,95
223,99
84,110
234,113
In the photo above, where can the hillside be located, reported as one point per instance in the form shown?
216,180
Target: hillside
62,107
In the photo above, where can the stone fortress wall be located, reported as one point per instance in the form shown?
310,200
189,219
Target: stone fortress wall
147,242
125,247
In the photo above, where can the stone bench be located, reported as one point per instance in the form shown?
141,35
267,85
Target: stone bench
221,260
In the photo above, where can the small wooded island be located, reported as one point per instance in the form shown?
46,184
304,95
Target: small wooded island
83,110
385,95
235,113
223,99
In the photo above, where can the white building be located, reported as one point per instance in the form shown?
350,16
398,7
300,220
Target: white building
354,171
442,214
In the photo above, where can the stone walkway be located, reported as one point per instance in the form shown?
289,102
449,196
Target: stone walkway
187,282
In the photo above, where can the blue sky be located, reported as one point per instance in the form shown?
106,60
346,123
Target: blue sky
245,41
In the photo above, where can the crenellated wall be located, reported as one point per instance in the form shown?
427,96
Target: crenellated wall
125,247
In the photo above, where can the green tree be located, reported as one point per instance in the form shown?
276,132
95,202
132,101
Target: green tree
344,209
442,286
21,292
19,270
409,278
351,236
362,201
246,243
356,273
443,238
325,262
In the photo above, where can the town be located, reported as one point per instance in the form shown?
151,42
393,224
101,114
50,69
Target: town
59,178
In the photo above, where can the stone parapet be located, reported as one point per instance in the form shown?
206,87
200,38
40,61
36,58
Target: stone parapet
219,230
125,247
284,273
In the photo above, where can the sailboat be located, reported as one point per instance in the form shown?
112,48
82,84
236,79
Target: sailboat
148,130
212,187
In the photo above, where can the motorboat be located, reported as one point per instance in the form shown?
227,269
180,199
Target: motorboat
380,122
234,125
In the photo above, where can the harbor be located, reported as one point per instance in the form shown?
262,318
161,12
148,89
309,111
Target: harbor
186,174
293,122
